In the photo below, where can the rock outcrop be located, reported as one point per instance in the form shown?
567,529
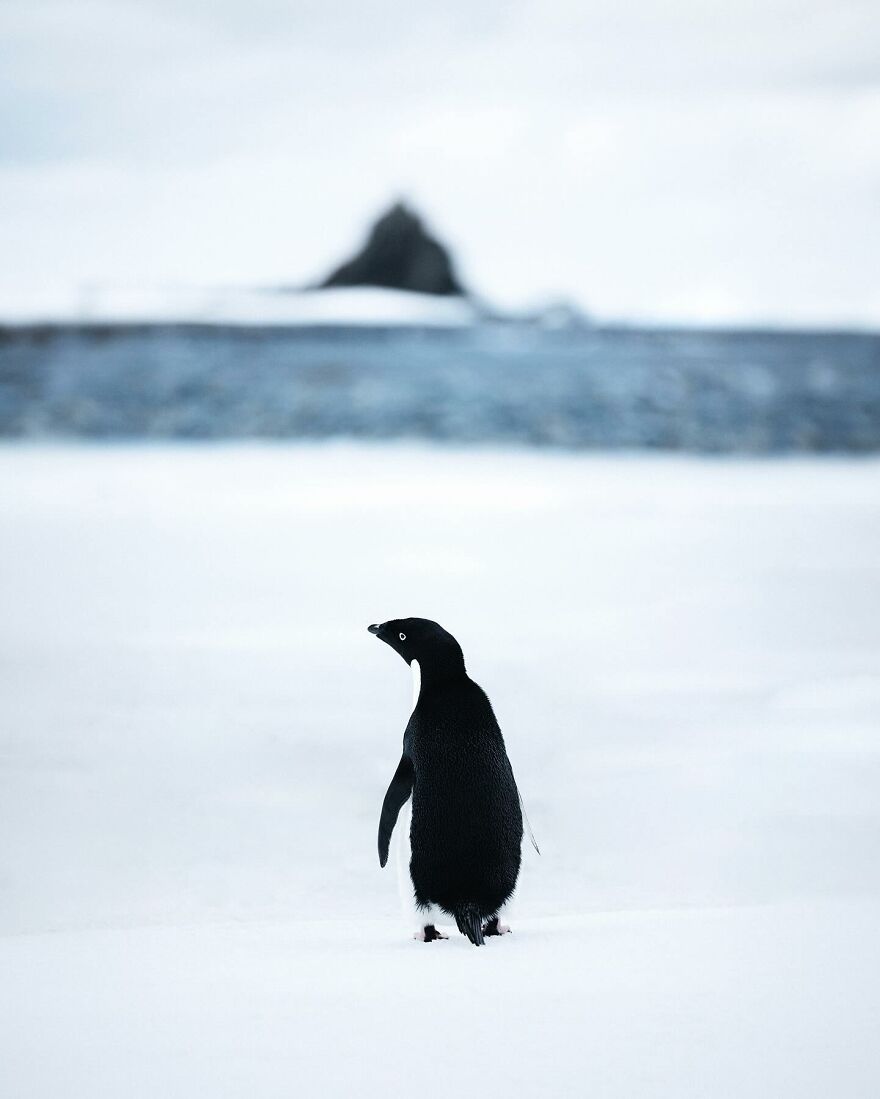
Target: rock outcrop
400,254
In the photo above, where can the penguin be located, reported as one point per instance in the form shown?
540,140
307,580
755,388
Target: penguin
466,822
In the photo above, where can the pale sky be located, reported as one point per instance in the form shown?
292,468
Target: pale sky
672,161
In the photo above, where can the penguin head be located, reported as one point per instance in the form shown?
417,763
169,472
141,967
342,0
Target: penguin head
419,639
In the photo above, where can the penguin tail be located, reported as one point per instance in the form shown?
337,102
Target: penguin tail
470,922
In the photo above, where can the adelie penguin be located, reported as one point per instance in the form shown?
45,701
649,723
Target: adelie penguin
466,830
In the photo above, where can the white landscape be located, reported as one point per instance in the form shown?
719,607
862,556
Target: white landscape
196,733
368,306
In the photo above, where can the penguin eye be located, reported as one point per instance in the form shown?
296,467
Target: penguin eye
402,636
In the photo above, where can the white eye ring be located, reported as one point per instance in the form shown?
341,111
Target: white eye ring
402,636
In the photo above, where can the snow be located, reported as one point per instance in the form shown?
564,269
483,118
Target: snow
196,731
360,305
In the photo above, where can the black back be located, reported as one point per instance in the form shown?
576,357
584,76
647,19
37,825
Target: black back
466,821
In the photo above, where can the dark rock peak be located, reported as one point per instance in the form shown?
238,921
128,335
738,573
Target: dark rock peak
399,254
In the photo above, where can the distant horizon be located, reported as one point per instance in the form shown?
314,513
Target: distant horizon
96,304
674,165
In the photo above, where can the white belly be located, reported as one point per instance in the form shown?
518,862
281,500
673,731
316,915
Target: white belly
401,837
402,857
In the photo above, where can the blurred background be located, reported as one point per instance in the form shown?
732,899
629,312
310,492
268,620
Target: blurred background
557,323
603,182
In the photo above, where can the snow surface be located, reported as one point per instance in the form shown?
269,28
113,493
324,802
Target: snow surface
196,732
358,305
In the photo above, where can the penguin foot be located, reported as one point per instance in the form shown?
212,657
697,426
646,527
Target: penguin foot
494,927
429,934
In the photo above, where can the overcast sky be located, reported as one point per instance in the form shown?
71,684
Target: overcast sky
677,161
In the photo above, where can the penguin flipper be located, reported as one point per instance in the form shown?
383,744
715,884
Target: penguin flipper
522,807
397,793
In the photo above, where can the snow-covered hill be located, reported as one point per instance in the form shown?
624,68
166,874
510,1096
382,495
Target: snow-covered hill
196,731
361,305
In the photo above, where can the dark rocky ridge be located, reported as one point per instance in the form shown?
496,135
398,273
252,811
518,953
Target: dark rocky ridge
400,254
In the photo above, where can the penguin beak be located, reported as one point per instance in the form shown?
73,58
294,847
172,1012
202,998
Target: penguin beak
374,628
